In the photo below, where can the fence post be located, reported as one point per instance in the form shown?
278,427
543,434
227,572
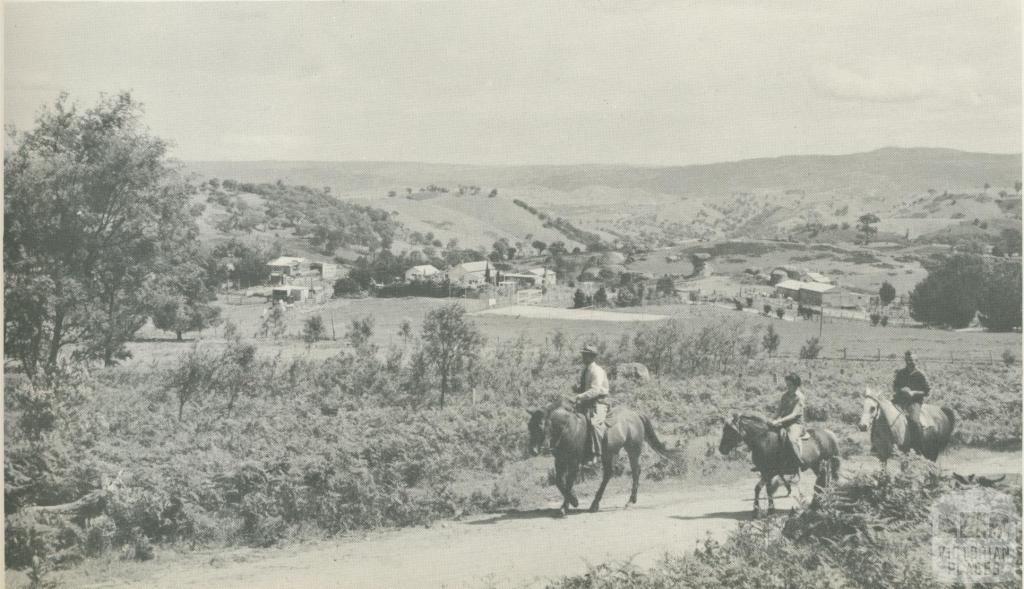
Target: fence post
844,353
879,357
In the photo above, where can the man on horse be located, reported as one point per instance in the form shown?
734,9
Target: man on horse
790,416
910,387
591,395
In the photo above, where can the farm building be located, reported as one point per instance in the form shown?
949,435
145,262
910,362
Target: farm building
327,270
420,273
806,293
469,273
291,294
286,266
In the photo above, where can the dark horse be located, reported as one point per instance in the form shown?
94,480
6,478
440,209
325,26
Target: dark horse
774,458
566,431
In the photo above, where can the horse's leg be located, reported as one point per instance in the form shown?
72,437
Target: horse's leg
634,466
607,462
771,499
560,473
570,480
757,495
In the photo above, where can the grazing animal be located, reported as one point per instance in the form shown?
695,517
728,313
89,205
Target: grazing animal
773,456
565,430
888,426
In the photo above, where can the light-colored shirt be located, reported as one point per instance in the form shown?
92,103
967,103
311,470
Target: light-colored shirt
791,408
595,383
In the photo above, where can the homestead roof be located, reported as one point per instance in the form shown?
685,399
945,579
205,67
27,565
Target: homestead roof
816,277
423,269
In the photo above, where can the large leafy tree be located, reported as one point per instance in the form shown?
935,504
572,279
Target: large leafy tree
92,208
949,295
999,305
451,343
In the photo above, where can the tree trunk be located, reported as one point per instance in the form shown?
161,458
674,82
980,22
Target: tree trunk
444,385
178,332
55,340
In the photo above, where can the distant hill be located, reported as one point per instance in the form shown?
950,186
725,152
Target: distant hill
766,197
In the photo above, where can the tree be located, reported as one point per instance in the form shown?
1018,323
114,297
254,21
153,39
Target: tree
1011,241
360,331
866,226
948,296
1017,186
579,299
493,193
770,341
313,329
274,323
539,246
601,297
886,293
999,306
810,350
92,207
451,343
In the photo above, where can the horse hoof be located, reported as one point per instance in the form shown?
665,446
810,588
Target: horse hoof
595,508
574,502
562,511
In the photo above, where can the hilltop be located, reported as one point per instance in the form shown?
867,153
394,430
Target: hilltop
919,193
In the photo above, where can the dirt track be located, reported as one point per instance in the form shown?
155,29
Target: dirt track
518,549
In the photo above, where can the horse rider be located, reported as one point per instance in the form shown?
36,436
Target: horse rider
790,415
591,395
910,387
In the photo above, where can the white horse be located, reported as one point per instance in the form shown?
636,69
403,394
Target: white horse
888,426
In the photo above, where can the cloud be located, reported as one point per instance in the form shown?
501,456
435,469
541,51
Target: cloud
878,83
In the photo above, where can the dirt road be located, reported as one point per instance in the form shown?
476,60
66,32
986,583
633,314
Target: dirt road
514,549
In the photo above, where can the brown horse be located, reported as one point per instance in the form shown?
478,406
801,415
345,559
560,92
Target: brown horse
565,429
774,458
888,426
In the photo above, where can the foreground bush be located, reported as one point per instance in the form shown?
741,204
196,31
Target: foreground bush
873,531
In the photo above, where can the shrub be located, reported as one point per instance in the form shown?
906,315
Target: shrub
884,320
767,310
780,312
810,350
886,293
1009,358
875,318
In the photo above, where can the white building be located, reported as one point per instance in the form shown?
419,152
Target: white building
422,272
544,276
470,273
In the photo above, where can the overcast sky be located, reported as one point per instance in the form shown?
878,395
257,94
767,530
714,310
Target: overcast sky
533,82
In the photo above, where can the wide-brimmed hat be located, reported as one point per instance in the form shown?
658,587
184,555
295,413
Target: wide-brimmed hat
793,378
588,349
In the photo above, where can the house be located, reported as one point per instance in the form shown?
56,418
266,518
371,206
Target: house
470,273
420,273
286,266
546,277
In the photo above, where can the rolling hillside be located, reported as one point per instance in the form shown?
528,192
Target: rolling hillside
917,192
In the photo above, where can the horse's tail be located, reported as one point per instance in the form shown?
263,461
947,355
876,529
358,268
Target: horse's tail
951,415
652,438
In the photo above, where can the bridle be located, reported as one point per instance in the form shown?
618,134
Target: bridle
878,410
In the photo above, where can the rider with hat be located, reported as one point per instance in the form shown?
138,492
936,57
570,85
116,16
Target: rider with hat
910,387
591,395
790,415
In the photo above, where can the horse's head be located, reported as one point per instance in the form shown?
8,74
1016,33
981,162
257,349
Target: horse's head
870,411
731,435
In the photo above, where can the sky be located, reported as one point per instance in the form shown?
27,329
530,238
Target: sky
646,83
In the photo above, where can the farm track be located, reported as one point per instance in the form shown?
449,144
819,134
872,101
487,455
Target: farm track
518,549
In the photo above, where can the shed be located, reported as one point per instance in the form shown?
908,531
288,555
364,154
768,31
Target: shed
546,277
815,293
291,294
327,270
817,277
